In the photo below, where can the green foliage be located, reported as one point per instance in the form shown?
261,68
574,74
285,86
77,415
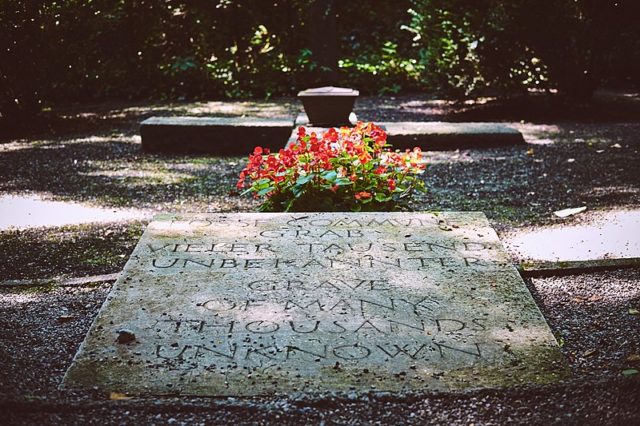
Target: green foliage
342,170
79,50
466,46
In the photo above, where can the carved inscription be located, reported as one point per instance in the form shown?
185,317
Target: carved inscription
253,303
337,289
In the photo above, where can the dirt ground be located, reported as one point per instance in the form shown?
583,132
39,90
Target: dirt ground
89,155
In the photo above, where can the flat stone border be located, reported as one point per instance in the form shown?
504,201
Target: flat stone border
213,135
239,135
434,136
441,136
59,281
547,269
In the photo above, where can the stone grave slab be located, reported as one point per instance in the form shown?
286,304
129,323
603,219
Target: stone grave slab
213,135
442,136
257,304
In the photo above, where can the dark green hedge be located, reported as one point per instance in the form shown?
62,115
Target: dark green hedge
78,50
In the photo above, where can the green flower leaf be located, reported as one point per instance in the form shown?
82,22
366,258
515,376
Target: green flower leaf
329,175
343,181
265,191
381,197
302,180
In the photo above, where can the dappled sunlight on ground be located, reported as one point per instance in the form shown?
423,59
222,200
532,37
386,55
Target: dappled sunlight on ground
258,108
250,109
142,177
599,235
537,134
56,144
28,211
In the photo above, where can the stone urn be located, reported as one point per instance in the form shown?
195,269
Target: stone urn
328,106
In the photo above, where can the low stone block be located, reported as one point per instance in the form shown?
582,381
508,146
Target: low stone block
441,136
257,303
213,135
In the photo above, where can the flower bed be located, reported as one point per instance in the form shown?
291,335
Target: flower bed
346,169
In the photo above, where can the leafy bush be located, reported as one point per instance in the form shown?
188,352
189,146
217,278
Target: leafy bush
344,170
54,52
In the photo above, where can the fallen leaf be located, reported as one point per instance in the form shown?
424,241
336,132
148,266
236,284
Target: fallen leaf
633,358
590,352
117,396
633,311
569,212
65,318
629,372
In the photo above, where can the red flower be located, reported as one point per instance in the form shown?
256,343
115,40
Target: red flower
356,154
392,184
331,135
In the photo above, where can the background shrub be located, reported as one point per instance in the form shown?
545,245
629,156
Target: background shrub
81,50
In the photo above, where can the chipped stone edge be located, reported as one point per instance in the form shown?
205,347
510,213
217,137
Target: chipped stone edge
537,269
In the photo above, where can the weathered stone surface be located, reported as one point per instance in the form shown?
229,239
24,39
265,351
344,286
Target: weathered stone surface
440,136
213,135
248,304
303,120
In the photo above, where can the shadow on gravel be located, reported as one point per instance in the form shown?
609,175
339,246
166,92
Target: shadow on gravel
72,251
40,331
526,184
605,107
573,166
115,173
125,117
591,314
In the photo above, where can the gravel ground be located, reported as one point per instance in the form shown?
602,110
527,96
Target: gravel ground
589,314
91,154
563,165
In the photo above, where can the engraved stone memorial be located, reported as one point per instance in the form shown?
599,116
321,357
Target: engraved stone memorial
252,304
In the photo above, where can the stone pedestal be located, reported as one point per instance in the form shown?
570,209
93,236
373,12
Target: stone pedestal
328,106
